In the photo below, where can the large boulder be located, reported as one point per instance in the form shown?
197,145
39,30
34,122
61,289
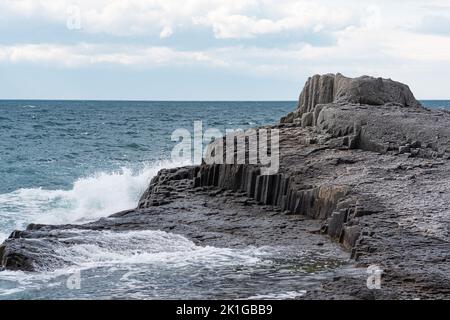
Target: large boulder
329,88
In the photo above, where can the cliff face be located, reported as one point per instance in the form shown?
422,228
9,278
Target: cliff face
322,89
360,159
336,88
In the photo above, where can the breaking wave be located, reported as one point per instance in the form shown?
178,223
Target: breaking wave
89,198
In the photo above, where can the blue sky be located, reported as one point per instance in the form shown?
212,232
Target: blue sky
216,49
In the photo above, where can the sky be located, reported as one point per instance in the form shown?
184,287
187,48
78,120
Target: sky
217,49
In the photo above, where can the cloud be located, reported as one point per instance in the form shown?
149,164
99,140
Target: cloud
356,48
277,17
227,19
81,55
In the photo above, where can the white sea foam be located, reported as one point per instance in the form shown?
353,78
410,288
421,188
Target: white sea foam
89,198
97,248
279,296
126,253
3,236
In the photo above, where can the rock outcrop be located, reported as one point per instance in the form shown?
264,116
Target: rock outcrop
361,162
336,88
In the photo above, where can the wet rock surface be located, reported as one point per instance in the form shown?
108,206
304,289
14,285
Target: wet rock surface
364,175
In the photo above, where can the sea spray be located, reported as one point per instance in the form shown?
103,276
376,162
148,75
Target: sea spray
88,248
3,236
90,198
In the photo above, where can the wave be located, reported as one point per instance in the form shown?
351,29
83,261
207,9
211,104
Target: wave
117,258
90,198
3,236
289,295
105,248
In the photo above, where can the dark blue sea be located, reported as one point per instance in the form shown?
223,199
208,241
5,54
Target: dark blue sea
77,161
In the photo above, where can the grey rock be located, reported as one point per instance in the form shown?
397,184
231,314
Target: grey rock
329,88
404,149
307,119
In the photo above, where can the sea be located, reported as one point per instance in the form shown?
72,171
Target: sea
77,161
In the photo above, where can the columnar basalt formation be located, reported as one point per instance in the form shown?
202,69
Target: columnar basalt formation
360,159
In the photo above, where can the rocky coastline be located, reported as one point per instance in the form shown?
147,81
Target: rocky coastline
364,173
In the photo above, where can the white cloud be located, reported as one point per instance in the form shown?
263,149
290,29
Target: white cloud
280,16
235,19
355,47
81,55
226,18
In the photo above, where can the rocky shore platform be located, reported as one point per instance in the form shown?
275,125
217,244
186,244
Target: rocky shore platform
364,177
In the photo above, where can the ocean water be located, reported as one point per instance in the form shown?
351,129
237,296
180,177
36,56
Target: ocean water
77,161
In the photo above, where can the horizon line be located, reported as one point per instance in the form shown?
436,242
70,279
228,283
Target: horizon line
175,100
147,100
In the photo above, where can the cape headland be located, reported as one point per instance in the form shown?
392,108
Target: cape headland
364,172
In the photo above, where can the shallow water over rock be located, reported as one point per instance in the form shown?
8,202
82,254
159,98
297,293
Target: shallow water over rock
160,265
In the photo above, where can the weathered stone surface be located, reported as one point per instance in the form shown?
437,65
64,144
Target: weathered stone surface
373,91
329,88
307,119
318,90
